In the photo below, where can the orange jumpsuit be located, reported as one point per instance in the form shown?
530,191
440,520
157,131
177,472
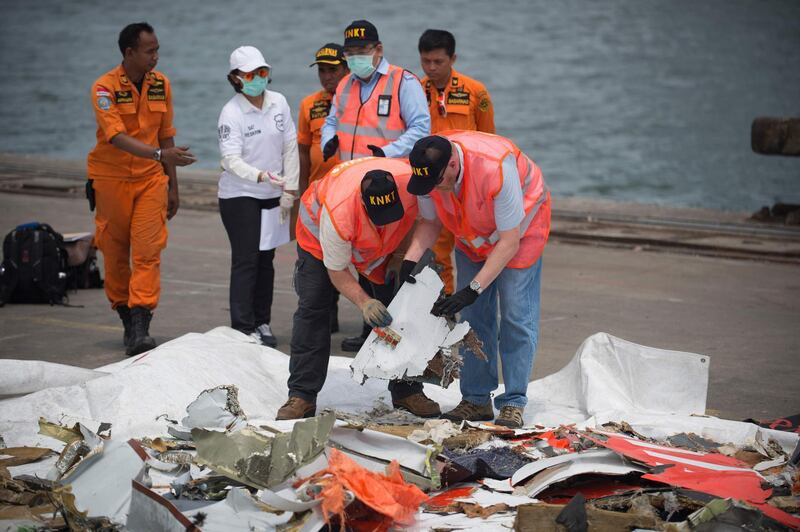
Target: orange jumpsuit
313,110
463,104
130,191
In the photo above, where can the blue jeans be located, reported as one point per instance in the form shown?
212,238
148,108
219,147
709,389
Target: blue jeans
518,293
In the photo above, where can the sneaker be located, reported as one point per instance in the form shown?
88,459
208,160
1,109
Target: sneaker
267,337
296,408
419,405
466,411
510,416
352,344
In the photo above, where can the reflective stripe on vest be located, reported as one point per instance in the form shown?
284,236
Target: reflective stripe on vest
355,130
313,227
308,221
479,241
371,266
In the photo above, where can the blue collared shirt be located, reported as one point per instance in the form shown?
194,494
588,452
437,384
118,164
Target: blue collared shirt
413,110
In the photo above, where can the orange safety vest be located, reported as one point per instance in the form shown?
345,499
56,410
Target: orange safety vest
340,193
376,121
470,215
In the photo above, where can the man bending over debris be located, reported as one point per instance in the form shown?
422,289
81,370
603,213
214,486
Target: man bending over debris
492,197
358,213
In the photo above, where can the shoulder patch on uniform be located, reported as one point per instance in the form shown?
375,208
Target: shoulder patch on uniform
320,109
104,103
123,97
101,91
224,132
484,103
279,122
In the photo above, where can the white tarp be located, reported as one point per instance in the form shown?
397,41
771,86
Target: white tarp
609,379
28,376
609,374
421,333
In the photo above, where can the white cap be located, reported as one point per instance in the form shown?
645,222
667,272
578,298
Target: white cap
247,59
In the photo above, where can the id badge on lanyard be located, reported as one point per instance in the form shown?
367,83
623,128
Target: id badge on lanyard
384,104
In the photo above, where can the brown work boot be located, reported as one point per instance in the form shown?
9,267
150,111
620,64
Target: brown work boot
510,416
419,405
296,408
466,411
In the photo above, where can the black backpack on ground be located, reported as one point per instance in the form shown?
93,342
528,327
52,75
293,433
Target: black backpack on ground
34,268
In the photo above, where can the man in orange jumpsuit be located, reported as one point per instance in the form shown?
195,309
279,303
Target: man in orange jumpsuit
456,101
132,174
331,68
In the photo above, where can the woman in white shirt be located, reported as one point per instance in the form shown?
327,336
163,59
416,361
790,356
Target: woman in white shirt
258,144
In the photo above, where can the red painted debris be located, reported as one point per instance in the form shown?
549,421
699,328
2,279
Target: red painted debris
712,473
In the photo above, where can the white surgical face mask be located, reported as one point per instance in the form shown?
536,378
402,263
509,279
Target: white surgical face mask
361,65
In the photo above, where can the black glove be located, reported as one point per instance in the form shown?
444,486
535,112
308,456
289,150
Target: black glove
405,273
450,305
377,151
330,149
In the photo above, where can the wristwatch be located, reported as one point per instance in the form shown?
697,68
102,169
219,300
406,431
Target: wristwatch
476,286
157,155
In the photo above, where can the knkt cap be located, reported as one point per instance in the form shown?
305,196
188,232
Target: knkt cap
330,54
428,158
247,59
381,197
360,33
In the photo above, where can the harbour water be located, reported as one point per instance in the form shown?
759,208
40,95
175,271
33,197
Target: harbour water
647,101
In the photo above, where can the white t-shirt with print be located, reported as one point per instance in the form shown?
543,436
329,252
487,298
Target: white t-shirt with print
258,137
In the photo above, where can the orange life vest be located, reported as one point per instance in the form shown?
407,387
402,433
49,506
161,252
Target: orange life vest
470,215
377,121
340,193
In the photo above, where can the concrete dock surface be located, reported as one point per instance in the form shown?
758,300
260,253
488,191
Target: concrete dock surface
680,279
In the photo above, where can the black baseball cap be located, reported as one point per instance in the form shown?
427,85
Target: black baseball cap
360,33
428,158
330,54
381,197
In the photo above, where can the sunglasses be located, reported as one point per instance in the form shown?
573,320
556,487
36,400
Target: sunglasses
250,76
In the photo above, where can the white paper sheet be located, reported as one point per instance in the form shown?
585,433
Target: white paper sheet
273,232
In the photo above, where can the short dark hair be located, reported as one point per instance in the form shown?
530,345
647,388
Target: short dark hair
231,79
434,39
129,36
